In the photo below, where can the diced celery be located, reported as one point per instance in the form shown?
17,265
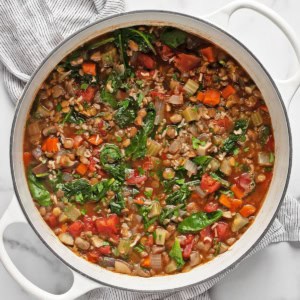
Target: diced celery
190,114
256,118
155,210
72,212
160,236
124,246
191,87
153,147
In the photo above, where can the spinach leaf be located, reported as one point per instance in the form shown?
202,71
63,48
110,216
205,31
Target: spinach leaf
100,43
127,112
176,253
169,212
263,134
198,221
179,196
38,191
109,99
73,117
111,161
202,162
117,204
138,145
216,177
144,212
239,130
173,37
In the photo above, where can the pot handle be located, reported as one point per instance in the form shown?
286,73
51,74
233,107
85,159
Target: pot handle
221,17
80,286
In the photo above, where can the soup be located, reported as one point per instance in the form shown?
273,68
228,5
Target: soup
149,151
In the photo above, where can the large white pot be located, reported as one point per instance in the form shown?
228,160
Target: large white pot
95,276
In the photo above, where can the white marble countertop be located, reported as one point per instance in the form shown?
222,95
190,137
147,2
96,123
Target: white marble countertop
274,273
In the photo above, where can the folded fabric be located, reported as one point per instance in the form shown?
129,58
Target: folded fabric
30,29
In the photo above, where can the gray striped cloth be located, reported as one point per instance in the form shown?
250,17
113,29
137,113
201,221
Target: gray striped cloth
28,31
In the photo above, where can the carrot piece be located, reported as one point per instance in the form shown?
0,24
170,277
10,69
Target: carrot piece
264,108
228,91
95,140
235,204
212,98
139,201
146,262
200,96
64,227
225,200
89,68
247,210
27,157
208,53
51,145
81,169
238,192
78,139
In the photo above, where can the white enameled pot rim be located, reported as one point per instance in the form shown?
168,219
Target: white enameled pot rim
132,13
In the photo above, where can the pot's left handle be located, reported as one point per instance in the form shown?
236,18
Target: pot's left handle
80,286
221,17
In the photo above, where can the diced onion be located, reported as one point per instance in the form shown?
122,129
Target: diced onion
156,261
190,166
238,222
122,267
160,110
200,192
226,167
176,99
195,258
191,87
155,210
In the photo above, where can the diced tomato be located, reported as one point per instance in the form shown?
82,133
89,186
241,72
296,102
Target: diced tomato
108,226
146,61
208,53
165,52
226,123
92,165
206,235
76,228
157,95
93,256
89,224
27,158
52,221
164,156
208,184
270,145
105,250
187,250
135,178
210,207
186,62
88,94
223,231
188,239
150,241
246,182
147,164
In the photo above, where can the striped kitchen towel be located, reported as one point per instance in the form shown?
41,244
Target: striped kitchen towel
29,30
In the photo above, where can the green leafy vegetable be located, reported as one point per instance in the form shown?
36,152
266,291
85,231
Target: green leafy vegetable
100,43
202,162
196,143
109,99
169,212
179,196
144,212
38,191
263,134
173,37
138,145
239,130
111,161
198,221
73,117
176,253
224,182
81,190
117,204
127,112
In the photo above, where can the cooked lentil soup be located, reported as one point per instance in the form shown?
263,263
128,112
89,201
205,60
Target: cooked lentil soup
149,151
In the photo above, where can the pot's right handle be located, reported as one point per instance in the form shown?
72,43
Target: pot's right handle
80,286
221,17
